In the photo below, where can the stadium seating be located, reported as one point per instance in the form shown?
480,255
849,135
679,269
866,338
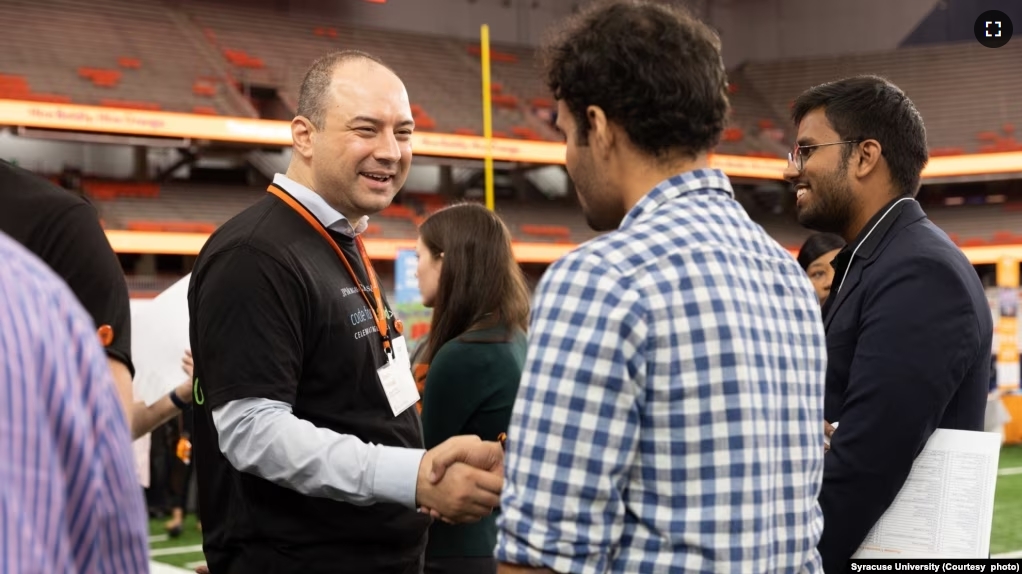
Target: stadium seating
960,89
89,51
441,76
197,57
200,208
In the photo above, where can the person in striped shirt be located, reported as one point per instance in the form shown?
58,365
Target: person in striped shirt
69,501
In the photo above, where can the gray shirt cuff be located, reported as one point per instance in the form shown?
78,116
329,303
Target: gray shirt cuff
397,472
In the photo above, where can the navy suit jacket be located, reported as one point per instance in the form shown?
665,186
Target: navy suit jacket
908,345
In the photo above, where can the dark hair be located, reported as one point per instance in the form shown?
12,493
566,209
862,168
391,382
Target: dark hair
316,83
870,107
654,70
479,275
816,245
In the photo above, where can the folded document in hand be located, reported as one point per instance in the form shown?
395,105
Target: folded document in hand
946,506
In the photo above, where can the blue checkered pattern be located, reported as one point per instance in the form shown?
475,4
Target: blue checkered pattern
670,415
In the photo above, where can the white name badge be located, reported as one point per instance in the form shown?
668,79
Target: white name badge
396,378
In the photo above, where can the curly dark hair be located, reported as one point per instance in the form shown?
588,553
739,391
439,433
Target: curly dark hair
655,71
870,107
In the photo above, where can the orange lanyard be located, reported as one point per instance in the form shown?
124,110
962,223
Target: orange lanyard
379,314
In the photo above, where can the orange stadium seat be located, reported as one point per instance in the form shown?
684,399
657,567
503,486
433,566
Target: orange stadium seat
1003,237
17,88
525,132
242,59
556,232
425,123
203,89
732,135
129,63
495,55
399,211
100,77
172,226
13,86
107,190
504,101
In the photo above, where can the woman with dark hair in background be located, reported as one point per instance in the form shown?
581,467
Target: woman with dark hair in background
474,351
815,257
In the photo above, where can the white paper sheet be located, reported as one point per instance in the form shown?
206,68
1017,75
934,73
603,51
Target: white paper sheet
159,338
946,506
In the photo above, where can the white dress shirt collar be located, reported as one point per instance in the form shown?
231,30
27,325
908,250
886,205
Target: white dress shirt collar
314,202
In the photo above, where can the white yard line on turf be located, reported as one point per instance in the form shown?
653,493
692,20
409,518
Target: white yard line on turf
173,550
161,568
158,538
1010,471
1015,554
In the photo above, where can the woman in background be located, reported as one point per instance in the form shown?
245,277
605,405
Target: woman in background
815,257
475,351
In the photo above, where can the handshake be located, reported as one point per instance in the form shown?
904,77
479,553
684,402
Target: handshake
460,479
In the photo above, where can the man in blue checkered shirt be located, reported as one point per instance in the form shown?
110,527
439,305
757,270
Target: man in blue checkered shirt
671,408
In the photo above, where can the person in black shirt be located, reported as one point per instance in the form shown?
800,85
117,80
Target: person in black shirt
309,457
908,325
63,230
815,256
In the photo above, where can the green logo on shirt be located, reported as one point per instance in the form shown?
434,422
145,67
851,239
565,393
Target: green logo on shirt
197,392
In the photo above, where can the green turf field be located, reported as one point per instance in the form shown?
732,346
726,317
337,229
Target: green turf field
182,551
1006,537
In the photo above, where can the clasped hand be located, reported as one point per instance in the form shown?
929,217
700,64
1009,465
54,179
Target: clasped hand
460,479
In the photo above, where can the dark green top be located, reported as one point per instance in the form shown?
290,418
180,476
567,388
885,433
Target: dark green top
470,389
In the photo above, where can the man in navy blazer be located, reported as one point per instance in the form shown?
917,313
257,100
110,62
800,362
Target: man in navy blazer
908,325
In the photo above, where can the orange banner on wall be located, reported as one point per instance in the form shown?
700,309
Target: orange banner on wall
143,123
72,117
161,242
166,243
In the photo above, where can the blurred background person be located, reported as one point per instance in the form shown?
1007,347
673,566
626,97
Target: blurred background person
815,256
69,496
474,352
180,462
62,228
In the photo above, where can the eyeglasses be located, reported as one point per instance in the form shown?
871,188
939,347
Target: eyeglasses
798,158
